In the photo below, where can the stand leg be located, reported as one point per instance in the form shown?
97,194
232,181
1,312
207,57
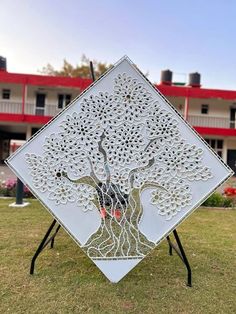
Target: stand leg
184,257
44,243
52,241
181,253
170,247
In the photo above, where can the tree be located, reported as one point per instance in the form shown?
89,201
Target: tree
80,70
105,156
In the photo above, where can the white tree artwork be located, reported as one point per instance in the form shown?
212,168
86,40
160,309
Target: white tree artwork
119,169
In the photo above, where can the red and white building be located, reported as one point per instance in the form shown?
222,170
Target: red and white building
29,101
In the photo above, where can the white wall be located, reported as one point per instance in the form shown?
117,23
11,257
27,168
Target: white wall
51,93
178,103
217,107
16,92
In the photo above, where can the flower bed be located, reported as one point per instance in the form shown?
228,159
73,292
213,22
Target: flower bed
226,199
230,191
8,188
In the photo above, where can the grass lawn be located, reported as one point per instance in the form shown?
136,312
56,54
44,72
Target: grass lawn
66,281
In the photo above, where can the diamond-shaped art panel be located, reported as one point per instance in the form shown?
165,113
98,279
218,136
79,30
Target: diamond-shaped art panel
119,169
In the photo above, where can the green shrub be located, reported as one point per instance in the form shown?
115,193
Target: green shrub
218,200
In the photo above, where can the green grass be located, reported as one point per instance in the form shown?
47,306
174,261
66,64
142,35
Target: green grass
66,281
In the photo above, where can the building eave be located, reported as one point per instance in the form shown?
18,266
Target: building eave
196,92
205,131
44,80
24,118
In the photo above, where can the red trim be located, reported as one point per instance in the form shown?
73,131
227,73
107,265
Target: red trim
215,131
196,92
24,118
44,80
20,118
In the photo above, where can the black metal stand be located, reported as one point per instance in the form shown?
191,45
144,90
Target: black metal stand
46,240
50,238
180,252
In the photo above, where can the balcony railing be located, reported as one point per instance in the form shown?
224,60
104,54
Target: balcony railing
51,110
30,108
48,110
209,121
10,107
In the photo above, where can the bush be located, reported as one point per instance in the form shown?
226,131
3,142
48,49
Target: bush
218,200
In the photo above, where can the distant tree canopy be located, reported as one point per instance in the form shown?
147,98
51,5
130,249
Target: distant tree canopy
79,70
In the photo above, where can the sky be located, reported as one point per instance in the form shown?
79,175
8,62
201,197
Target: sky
183,36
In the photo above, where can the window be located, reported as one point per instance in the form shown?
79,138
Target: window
63,100
40,104
204,109
60,101
34,130
232,117
6,94
67,99
217,145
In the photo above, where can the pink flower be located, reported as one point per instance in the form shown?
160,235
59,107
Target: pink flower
10,184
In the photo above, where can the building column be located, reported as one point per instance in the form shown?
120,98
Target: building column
28,132
186,107
225,148
24,96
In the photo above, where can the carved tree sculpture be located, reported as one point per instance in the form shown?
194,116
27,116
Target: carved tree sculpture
107,154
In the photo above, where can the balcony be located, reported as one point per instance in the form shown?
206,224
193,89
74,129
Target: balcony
30,109
50,110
